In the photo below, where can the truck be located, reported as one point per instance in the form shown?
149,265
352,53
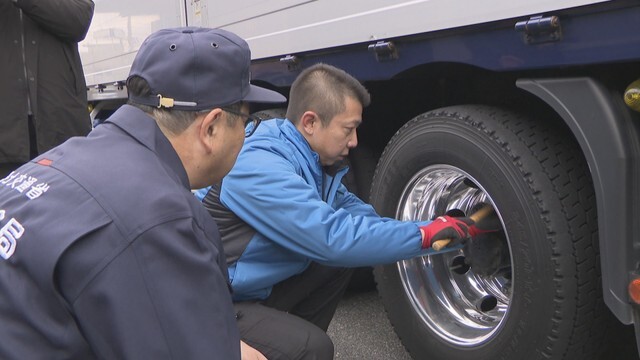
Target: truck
531,107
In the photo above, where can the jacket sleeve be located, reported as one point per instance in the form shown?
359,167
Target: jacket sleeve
66,19
354,205
264,190
163,296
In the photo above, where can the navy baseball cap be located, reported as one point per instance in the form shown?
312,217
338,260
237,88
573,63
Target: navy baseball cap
193,68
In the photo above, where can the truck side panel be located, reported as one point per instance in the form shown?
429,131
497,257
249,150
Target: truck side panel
291,26
497,47
117,30
277,27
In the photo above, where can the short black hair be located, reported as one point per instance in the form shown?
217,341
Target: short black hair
323,89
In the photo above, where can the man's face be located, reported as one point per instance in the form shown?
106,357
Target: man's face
333,142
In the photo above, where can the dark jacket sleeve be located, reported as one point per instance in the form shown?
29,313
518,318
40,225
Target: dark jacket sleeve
67,19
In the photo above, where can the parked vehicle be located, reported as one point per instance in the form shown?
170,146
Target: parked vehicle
517,104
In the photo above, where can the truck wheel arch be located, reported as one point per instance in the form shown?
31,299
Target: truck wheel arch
610,145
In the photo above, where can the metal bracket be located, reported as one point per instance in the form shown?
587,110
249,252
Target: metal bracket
540,29
384,51
292,61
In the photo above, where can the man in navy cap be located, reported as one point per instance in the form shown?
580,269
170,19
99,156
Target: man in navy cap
104,251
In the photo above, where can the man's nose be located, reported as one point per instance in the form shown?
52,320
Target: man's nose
353,142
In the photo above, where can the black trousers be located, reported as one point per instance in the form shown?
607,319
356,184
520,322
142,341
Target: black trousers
292,322
7,168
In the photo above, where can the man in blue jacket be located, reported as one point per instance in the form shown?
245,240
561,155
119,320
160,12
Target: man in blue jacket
291,230
104,252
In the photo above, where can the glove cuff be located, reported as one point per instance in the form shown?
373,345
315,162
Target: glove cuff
426,242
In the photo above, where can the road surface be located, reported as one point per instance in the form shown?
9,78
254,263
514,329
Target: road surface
360,330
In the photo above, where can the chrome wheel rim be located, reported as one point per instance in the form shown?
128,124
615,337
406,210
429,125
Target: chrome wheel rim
459,306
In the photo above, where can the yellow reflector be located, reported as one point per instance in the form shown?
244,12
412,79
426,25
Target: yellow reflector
632,95
634,290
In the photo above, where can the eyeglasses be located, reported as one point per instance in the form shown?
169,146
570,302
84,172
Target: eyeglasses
251,120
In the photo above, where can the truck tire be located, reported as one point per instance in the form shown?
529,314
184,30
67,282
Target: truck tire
543,298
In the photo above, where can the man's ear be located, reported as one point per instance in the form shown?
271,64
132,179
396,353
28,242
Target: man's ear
209,127
309,121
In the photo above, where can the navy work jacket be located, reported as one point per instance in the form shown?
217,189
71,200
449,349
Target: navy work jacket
105,253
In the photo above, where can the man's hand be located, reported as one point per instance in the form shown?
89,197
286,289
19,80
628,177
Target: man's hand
249,353
446,227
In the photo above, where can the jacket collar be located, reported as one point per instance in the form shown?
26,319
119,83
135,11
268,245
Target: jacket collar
142,127
292,133
295,137
333,173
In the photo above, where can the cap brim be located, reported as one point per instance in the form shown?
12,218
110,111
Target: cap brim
261,95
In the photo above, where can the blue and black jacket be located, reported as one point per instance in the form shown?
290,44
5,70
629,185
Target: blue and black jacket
279,209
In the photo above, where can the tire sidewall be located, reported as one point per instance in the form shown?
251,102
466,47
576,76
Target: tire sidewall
433,139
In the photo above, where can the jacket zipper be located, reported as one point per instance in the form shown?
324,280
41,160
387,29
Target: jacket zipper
325,194
24,64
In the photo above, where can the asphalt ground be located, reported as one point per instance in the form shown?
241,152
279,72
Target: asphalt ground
360,330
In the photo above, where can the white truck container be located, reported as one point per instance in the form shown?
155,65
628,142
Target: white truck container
518,104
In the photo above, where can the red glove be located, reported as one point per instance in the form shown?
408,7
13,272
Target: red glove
446,227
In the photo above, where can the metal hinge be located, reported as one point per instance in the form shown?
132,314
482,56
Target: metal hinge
384,50
292,61
540,29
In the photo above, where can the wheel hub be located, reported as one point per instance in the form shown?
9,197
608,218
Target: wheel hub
462,295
